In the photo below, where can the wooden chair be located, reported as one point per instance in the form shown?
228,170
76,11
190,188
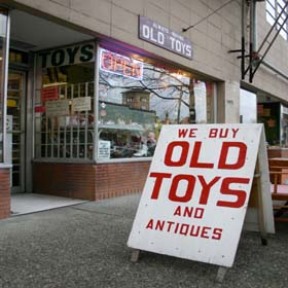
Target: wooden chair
278,169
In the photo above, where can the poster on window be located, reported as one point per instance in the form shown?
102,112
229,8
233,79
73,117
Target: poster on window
81,104
104,149
57,108
50,93
197,191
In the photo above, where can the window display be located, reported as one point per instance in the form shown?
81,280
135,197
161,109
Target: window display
64,106
134,99
133,109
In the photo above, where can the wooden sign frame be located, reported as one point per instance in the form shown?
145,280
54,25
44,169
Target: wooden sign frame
260,199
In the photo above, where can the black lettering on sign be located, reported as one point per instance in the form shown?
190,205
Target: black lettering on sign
67,56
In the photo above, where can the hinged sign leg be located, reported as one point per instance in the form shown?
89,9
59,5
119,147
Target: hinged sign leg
221,274
135,255
259,199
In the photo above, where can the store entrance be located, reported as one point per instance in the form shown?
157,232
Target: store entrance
16,129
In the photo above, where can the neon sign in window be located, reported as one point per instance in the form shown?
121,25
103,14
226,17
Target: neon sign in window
121,65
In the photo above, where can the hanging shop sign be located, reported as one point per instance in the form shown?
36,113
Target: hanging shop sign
164,37
57,108
121,65
81,104
195,197
76,54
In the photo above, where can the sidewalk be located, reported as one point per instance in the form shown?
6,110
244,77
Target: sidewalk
84,246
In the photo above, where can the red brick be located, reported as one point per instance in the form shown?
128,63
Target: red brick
90,181
5,198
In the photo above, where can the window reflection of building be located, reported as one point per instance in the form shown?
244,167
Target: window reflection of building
131,107
138,99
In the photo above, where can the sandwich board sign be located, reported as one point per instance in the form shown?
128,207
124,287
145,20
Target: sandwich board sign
197,191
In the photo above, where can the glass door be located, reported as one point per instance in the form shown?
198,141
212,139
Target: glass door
16,129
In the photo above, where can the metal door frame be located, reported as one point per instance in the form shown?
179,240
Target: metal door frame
23,127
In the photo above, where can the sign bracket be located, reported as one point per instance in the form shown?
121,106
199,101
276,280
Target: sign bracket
135,255
259,203
221,274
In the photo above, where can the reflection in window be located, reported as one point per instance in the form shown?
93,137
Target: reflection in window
64,112
132,111
134,100
273,10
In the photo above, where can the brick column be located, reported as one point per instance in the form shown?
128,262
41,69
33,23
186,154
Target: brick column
5,195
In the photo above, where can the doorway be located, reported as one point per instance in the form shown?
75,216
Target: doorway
16,129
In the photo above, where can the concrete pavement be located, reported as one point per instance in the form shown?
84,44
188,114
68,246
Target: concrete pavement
84,246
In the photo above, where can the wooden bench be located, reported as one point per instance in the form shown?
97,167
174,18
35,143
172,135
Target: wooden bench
278,169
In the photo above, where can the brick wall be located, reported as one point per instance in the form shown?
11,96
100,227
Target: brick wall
89,181
4,193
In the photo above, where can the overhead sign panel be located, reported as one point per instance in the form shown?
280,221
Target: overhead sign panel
162,36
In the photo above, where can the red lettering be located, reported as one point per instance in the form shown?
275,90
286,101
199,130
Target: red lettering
223,133
177,211
126,68
176,228
240,194
217,233
160,225
170,224
195,157
205,232
206,187
107,61
242,151
150,224
189,212
199,213
183,147
192,132
195,230
158,182
190,179
184,229
213,133
182,133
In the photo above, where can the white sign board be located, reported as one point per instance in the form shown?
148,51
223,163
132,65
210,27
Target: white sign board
57,108
104,149
81,104
197,191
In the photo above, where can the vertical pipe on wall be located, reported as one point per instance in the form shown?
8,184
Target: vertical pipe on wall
251,45
5,86
254,30
243,18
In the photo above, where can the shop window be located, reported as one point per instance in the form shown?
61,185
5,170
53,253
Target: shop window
136,98
64,106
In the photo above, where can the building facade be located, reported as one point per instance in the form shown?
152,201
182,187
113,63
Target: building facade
87,85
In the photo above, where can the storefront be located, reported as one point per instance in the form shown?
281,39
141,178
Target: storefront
98,116
82,119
